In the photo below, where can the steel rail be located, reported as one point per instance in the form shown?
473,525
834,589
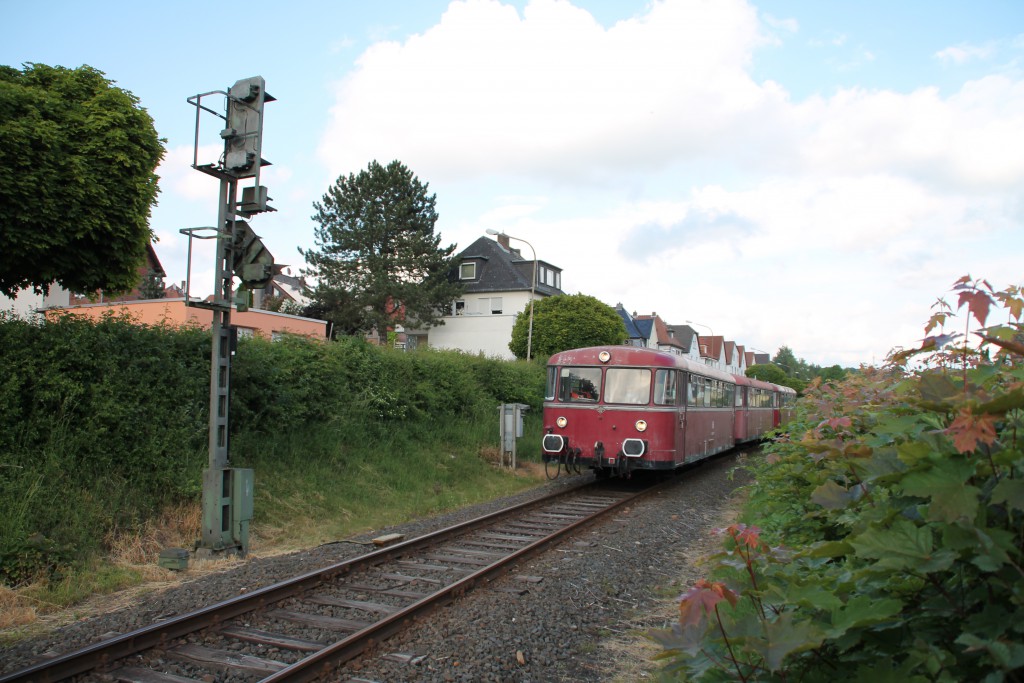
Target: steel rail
102,654
321,663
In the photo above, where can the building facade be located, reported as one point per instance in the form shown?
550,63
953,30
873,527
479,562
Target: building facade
498,287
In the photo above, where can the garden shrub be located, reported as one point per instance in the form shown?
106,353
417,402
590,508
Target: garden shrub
889,525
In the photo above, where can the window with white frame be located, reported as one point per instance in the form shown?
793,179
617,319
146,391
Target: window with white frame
549,276
490,305
467,271
459,307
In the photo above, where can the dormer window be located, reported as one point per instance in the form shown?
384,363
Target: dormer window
549,276
467,271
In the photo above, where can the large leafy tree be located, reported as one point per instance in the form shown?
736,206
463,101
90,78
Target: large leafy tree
766,372
77,180
378,262
566,322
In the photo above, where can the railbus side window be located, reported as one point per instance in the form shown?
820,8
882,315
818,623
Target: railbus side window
579,385
691,390
627,385
665,387
552,384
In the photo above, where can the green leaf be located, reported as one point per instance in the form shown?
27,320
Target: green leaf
783,637
937,388
904,546
944,485
883,672
994,547
1011,492
913,452
832,496
1007,656
829,549
863,611
810,595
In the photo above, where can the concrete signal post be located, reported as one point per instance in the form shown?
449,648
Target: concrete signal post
228,491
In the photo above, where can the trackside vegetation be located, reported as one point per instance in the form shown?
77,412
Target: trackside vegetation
105,428
883,537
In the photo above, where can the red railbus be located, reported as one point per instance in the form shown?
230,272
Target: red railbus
617,409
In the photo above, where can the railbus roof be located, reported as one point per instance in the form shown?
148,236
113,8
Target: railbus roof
633,356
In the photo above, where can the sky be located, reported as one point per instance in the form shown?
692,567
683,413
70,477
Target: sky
807,173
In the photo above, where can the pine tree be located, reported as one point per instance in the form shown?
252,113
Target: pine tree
378,262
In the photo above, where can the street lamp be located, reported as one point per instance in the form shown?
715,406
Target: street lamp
690,322
533,285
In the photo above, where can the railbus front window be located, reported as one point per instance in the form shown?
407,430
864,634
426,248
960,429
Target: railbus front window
579,385
552,384
628,385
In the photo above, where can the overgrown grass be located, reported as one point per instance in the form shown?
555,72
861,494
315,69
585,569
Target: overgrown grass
317,487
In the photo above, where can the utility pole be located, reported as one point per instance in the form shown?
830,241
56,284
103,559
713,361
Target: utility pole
228,491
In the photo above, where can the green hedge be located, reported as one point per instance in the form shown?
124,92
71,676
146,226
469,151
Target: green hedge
106,422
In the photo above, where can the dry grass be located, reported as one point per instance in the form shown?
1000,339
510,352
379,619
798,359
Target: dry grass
26,607
16,609
176,527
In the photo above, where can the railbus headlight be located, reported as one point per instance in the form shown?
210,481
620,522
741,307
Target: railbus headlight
561,422
641,425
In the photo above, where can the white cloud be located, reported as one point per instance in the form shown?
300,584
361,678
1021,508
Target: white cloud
975,137
550,92
790,25
178,177
963,53
671,181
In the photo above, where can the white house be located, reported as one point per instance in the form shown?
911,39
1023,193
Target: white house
497,281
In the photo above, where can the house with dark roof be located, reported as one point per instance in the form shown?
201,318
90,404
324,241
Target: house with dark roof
634,336
498,284
663,337
685,337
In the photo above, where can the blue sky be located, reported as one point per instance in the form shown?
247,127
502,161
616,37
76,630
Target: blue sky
812,174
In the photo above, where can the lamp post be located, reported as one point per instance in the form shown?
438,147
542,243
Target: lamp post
533,286
691,322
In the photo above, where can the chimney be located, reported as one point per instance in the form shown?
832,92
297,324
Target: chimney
503,240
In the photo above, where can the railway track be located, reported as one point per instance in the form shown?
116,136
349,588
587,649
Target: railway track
302,628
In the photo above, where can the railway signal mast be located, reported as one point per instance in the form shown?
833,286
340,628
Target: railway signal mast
228,491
